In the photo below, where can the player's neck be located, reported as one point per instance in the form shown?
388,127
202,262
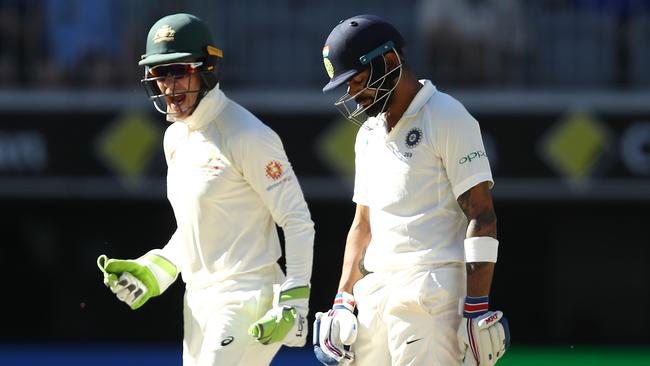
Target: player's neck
402,97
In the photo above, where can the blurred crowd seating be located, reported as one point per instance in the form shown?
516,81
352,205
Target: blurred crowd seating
538,44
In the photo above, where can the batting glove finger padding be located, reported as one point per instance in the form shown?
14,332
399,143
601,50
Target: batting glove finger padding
483,340
335,331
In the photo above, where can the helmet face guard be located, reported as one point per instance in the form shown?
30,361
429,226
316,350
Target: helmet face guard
357,44
380,80
172,73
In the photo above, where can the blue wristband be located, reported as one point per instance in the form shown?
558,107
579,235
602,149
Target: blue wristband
475,306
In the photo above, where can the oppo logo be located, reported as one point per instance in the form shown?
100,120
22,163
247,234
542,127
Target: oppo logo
471,156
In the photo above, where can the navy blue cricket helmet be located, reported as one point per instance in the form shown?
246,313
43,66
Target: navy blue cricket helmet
354,43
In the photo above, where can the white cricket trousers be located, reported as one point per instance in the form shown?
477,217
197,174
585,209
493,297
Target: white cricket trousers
216,320
410,317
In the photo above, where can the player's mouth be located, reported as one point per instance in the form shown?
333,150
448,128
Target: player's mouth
179,98
176,100
364,102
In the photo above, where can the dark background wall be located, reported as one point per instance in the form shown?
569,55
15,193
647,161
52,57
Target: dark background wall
560,271
566,260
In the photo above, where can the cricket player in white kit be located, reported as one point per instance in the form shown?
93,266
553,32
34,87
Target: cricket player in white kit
420,253
229,182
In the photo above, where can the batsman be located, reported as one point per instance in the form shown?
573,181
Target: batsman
420,253
229,182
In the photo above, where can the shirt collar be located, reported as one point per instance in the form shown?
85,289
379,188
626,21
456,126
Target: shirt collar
421,98
210,105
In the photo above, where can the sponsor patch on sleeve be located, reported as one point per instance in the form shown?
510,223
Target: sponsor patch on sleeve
273,170
471,157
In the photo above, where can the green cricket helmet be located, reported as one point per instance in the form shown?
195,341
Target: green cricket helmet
179,45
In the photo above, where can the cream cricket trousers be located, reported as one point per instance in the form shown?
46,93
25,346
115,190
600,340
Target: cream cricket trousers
410,317
216,320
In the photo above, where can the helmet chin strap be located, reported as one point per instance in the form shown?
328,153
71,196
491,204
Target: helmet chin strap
209,82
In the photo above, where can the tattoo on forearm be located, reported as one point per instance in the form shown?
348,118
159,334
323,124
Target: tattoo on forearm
483,224
463,201
477,206
362,268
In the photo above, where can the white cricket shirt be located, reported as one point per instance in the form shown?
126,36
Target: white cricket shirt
229,182
411,177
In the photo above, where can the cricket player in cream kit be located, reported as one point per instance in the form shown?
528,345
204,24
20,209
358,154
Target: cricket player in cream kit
422,246
229,182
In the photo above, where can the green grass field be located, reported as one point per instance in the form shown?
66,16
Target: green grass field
576,356
170,355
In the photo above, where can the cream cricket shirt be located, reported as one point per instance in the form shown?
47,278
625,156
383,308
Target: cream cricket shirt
411,177
229,181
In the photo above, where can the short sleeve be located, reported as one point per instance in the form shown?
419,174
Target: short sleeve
458,141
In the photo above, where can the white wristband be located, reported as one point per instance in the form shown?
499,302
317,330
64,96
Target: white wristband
481,249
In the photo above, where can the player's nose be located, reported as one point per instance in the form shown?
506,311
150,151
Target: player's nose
168,83
353,89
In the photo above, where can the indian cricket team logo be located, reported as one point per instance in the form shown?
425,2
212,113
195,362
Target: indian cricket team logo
413,137
273,170
328,64
164,34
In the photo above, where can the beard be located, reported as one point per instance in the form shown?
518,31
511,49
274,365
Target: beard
380,104
383,88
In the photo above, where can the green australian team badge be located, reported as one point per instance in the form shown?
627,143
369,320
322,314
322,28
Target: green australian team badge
328,64
164,34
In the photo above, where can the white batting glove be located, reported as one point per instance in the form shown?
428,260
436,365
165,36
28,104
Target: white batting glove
136,281
483,336
286,321
335,331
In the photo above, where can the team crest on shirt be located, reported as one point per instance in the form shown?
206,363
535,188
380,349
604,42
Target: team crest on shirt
273,170
213,163
213,167
413,137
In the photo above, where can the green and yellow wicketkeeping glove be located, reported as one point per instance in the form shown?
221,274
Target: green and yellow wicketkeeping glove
136,281
286,321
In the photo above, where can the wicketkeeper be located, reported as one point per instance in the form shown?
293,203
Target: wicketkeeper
229,182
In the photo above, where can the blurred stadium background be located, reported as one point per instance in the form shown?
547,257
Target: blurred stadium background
561,88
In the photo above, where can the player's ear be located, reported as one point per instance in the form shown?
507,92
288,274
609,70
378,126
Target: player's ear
391,59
